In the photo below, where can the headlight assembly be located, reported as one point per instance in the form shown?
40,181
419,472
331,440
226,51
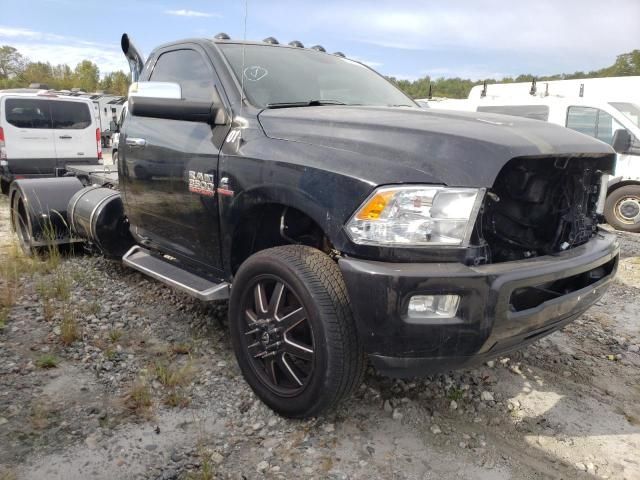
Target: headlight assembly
416,215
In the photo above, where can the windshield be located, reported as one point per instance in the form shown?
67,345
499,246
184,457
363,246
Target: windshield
279,76
629,110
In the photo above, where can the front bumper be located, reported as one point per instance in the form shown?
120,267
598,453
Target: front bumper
503,306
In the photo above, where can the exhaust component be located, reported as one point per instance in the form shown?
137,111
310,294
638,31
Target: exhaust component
97,214
134,57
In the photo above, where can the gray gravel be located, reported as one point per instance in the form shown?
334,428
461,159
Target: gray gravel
566,407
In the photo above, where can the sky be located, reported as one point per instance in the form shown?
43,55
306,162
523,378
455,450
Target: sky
406,39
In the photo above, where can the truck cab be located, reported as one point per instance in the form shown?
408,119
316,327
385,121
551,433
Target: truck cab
343,223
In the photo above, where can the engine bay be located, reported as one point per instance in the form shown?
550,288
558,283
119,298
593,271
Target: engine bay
541,206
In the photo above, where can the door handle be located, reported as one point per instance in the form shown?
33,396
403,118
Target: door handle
65,137
136,142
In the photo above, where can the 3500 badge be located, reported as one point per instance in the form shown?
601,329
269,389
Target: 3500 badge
202,183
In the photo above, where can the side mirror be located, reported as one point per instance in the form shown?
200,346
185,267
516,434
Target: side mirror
621,141
164,100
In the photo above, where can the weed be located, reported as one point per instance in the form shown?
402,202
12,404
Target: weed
115,334
181,348
47,361
93,308
177,399
56,286
172,376
48,310
61,286
69,331
110,353
206,472
3,319
138,399
455,394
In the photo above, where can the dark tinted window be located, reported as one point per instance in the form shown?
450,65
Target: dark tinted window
28,113
583,120
537,112
189,69
70,115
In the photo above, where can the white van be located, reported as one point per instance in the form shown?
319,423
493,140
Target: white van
41,133
596,88
614,122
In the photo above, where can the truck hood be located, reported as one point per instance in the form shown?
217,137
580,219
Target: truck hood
415,145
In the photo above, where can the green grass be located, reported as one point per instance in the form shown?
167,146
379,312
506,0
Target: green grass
455,394
47,360
115,334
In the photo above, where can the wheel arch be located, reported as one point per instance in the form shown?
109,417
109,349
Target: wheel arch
619,182
270,224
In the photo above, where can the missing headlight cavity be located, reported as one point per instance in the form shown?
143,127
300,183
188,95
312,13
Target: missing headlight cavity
541,206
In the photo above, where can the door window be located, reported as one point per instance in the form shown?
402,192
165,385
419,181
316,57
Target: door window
607,126
583,120
189,69
593,122
28,113
70,115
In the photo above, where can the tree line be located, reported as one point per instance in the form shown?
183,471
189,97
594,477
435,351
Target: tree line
18,71
625,64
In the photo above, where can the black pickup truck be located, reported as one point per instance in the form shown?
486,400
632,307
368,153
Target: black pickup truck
342,221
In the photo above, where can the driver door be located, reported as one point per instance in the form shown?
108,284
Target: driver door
162,155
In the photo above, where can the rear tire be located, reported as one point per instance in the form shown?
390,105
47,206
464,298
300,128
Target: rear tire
4,187
114,157
293,332
622,208
21,225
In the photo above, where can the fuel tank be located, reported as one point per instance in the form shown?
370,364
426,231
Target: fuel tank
97,214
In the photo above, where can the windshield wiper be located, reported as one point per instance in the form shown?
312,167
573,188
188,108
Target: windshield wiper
308,103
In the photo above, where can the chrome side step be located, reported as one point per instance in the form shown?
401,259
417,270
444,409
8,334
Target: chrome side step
166,272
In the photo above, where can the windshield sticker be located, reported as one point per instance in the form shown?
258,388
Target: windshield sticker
255,73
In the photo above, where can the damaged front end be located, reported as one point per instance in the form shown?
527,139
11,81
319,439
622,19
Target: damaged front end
541,206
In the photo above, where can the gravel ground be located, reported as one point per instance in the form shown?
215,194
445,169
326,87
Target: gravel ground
106,374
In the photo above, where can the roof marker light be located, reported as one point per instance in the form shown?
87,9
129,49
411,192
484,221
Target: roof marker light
271,40
319,48
222,36
296,43
339,54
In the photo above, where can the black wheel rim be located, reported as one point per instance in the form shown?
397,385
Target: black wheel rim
277,335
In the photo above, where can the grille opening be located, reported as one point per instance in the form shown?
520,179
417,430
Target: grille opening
531,297
539,206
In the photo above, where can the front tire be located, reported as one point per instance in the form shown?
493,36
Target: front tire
622,208
293,332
